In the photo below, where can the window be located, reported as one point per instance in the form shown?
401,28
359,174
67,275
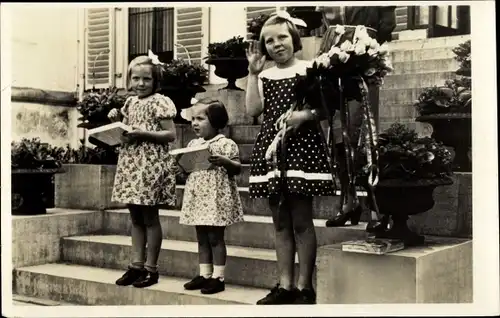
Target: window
151,28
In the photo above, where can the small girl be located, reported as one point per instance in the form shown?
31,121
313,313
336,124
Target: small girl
211,200
306,164
145,174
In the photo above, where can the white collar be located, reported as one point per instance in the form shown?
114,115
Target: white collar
217,137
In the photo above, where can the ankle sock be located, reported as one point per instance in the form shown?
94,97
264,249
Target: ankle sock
219,272
151,269
136,265
206,270
374,215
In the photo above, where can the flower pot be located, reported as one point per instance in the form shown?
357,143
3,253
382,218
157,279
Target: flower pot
181,97
32,190
402,198
230,69
453,130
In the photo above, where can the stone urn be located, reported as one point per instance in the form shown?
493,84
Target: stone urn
402,198
453,130
230,69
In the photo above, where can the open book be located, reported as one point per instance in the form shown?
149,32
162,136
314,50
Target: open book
110,134
192,158
373,246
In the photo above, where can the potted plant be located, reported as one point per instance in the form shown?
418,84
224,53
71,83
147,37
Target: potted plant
181,81
410,168
254,26
96,104
448,110
32,169
229,59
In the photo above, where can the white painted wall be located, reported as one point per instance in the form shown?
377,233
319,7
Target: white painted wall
45,55
226,20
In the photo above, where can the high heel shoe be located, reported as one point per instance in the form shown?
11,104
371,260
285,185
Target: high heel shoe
378,226
341,218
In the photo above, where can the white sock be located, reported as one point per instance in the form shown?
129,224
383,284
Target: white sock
219,272
206,270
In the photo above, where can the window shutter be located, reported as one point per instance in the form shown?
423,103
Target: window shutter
191,41
253,12
99,44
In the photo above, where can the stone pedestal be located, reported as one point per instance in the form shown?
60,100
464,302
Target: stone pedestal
440,272
85,186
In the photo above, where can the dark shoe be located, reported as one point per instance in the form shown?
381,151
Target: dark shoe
279,296
342,218
147,280
306,297
196,283
378,226
213,285
131,276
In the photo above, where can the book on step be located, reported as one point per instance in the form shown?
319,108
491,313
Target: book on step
373,246
110,134
192,158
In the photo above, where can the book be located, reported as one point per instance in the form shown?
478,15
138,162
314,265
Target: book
110,134
376,246
192,158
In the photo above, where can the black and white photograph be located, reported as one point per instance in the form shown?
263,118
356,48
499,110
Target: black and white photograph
214,158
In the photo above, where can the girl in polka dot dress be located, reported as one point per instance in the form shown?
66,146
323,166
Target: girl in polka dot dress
306,165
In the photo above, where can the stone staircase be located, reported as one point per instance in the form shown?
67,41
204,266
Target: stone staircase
81,253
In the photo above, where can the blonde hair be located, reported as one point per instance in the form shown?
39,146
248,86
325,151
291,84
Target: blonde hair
156,70
292,29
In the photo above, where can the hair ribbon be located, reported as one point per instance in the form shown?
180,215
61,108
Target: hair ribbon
286,16
154,58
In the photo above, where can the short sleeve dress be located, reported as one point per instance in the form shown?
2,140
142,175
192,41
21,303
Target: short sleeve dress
145,173
307,168
211,196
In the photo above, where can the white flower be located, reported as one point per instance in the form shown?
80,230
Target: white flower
374,44
343,57
339,29
370,71
383,49
360,49
334,50
372,52
323,59
347,46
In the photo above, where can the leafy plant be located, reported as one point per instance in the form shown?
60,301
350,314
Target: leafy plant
180,73
254,26
454,97
403,155
463,55
96,104
32,154
232,48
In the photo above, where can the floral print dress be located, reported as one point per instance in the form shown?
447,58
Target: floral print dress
145,173
211,196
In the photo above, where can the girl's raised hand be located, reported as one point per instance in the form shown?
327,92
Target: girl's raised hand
256,60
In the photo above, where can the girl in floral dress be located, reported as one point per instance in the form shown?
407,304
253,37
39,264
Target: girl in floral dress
211,199
145,174
271,92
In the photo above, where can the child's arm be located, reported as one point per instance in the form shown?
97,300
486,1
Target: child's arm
166,135
256,61
229,159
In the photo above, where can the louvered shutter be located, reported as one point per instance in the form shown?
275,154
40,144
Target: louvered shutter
191,33
253,12
99,44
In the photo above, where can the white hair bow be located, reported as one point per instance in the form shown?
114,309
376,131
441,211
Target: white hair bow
186,113
285,15
154,58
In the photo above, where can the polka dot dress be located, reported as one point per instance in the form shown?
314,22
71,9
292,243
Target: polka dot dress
307,170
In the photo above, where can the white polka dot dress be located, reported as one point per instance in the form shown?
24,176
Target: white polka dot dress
307,169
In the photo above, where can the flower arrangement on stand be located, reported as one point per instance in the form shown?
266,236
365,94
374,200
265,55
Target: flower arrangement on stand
181,81
448,109
229,59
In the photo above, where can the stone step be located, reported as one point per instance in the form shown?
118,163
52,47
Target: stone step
21,300
421,54
397,112
88,285
430,43
400,96
323,207
245,152
245,265
256,231
420,80
425,66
